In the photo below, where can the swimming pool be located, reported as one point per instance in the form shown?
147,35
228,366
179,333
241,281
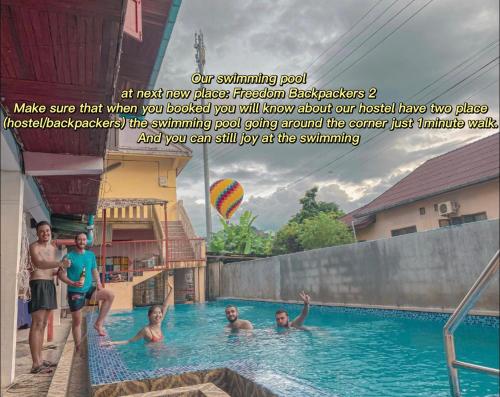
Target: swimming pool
346,352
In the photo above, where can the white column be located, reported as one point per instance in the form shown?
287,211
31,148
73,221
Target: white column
11,234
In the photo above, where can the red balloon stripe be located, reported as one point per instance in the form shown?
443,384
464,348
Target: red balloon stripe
233,208
214,185
226,193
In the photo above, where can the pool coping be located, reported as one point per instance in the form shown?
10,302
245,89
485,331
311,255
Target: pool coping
59,384
472,312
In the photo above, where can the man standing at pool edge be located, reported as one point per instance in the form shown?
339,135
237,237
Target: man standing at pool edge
234,322
43,292
79,279
282,319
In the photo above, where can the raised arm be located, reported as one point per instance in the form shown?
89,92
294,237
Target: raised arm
299,321
41,263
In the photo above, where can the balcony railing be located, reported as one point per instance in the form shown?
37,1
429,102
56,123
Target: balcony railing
126,259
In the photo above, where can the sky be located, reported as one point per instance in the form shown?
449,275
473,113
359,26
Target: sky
398,46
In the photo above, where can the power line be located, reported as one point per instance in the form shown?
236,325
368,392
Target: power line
465,62
197,162
379,133
381,41
387,36
368,38
343,34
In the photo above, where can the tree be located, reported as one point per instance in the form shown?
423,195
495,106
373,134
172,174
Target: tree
311,207
242,238
287,239
324,230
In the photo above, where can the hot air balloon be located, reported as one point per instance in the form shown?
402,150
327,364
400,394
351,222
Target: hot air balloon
226,196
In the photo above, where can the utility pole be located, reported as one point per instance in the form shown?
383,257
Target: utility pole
200,60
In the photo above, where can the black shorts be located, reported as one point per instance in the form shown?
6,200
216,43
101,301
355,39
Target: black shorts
43,295
76,300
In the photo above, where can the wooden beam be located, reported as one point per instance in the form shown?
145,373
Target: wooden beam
50,164
13,89
105,8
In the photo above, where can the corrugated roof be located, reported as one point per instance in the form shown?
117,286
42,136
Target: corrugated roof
474,163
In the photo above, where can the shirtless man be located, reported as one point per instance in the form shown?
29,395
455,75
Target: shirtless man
43,292
234,322
282,320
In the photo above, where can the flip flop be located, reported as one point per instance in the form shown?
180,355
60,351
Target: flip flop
49,364
42,369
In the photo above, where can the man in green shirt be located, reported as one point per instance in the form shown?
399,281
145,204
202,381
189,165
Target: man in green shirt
79,279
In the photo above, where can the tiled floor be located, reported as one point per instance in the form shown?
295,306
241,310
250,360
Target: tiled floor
29,385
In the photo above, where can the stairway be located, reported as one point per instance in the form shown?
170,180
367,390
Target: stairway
180,248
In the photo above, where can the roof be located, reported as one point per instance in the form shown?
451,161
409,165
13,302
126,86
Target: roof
468,165
61,53
68,52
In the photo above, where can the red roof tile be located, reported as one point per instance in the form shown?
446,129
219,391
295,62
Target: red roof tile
467,165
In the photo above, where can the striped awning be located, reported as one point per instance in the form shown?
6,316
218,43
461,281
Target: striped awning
128,202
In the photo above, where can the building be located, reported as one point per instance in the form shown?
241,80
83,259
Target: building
457,187
64,53
146,227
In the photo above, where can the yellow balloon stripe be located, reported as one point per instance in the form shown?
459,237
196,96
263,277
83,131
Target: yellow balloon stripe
216,191
226,195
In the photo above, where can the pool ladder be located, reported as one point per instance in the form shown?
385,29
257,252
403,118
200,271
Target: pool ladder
456,319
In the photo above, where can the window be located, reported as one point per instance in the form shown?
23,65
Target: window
422,211
475,217
444,222
458,220
404,230
435,208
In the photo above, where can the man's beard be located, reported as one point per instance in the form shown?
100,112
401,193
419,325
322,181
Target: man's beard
233,320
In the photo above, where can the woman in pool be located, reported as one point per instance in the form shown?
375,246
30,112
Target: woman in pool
152,331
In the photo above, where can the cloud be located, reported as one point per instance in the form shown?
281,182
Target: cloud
286,36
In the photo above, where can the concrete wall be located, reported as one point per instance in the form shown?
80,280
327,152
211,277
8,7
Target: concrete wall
11,206
472,200
428,270
138,176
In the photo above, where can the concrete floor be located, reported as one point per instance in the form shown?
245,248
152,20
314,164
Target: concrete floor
31,385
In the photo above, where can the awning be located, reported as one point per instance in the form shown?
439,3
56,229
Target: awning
128,202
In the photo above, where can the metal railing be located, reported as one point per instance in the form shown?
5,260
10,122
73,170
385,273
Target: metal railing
124,259
185,221
456,319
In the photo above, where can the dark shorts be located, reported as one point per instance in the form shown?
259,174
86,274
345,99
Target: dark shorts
43,295
76,300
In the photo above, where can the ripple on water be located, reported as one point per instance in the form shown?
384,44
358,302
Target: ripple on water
341,353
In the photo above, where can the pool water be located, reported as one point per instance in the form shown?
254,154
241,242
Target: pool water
344,352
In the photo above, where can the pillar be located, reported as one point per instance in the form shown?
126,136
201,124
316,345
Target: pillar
201,284
11,233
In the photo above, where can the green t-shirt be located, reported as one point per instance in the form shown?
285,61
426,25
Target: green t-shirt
78,261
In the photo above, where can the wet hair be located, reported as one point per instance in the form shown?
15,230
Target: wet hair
77,234
43,223
152,308
230,306
281,311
